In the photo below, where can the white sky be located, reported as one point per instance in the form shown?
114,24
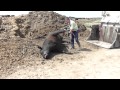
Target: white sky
66,13
13,12
81,13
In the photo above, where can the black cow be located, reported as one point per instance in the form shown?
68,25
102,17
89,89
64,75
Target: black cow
53,43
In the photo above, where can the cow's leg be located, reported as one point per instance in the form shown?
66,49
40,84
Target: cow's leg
62,48
57,32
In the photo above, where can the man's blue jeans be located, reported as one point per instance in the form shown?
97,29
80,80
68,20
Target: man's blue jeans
74,35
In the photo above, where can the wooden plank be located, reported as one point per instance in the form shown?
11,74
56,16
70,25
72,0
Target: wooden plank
110,36
100,43
104,34
114,35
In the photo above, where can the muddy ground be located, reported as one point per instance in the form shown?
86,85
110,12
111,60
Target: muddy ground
20,57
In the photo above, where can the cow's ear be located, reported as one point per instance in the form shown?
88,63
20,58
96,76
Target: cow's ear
40,47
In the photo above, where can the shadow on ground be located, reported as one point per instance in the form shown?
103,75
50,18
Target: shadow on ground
70,53
55,54
85,49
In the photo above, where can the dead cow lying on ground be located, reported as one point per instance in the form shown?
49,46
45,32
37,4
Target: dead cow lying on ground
53,43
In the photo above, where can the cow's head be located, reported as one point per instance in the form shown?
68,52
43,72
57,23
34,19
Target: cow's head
44,53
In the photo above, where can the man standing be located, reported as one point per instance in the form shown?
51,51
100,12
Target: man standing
74,32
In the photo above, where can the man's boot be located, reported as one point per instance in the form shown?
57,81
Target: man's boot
79,45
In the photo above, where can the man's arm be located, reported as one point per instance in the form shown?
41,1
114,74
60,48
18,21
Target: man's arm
71,27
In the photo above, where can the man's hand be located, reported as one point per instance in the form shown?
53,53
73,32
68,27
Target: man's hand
70,31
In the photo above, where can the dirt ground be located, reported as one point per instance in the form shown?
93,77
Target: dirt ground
20,58
100,63
84,65
91,62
